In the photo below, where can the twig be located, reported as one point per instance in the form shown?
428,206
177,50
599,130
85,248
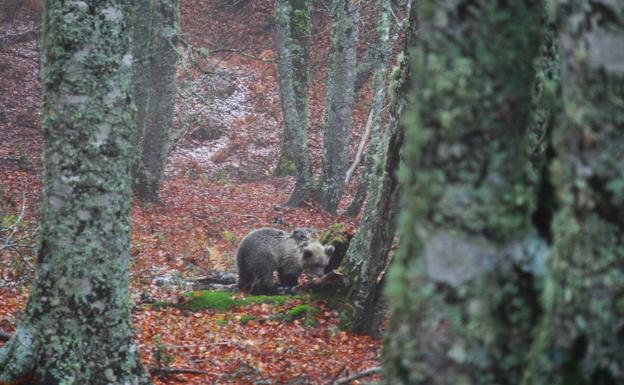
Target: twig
155,370
8,40
16,224
242,53
338,373
360,149
364,373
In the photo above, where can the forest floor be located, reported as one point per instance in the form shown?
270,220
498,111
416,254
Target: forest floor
219,186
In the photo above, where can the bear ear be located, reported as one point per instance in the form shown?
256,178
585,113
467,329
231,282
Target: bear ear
307,254
329,250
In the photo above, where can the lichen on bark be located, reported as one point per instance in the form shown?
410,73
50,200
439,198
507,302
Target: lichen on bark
156,29
380,63
462,291
368,255
76,326
580,337
293,19
339,102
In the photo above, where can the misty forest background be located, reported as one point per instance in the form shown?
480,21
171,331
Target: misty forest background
464,157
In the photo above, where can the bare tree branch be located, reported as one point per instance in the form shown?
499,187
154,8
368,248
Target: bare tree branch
360,149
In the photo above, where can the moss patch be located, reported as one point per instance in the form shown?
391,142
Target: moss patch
222,301
306,312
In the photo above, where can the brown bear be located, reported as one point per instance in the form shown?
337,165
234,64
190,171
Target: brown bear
266,250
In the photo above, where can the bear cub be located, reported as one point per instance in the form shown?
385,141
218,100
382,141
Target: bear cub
266,250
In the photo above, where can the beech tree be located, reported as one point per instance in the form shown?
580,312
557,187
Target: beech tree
76,326
367,258
339,102
533,296
154,48
580,334
293,45
380,60
463,288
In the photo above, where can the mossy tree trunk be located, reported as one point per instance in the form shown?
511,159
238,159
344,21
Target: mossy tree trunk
380,61
155,88
367,258
76,327
463,289
581,337
339,102
293,46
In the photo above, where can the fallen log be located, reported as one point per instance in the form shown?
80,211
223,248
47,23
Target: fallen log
216,280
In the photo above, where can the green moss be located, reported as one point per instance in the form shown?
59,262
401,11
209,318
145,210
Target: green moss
285,167
160,304
217,300
274,299
300,21
222,301
335,233
305,311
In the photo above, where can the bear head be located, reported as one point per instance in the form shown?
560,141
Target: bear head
315,257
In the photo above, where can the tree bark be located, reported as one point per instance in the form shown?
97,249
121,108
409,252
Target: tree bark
293,45
368,255
76,327
155,38
339,103
581,334
463,288
380,60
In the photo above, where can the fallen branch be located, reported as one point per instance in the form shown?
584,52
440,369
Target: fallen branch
218,276
22,37
178,371
364,373
216,280
338,373
360,149
332,282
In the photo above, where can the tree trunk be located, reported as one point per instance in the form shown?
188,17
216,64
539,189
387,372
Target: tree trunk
367,257
155,37
463,288
581,336
76,327
293,45
380,60
339,103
